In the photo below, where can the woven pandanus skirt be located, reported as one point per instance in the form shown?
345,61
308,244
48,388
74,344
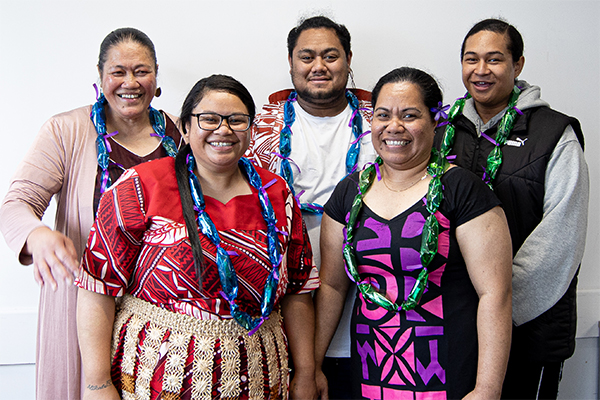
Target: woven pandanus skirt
159,354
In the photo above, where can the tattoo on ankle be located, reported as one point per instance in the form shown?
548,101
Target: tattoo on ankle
99,387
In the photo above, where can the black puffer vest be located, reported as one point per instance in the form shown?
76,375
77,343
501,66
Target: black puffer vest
519,184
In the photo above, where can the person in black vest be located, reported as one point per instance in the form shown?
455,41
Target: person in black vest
532,157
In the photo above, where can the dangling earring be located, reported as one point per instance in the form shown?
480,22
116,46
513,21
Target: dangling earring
98,89
351,75
158,92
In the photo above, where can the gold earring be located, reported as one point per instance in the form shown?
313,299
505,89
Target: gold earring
158,92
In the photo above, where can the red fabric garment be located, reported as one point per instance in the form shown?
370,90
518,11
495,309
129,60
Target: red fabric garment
264,144
139,245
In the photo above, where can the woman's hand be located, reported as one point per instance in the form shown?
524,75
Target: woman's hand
54,257
105,391
322,385
480,394
303,386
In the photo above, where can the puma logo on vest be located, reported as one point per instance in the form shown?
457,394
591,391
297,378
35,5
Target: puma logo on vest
518,142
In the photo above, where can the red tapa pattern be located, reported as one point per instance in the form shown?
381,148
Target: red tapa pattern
139,245
264,143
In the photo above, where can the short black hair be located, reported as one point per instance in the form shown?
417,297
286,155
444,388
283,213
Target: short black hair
124,35
319,22
514,39
430,90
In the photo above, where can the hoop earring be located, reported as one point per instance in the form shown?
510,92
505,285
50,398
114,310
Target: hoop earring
158,92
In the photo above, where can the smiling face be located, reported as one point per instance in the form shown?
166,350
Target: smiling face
221,149
128,80
489,72
402,129
319,66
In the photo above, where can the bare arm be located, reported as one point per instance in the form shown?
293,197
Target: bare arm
330,297
299,320
95,318
485,245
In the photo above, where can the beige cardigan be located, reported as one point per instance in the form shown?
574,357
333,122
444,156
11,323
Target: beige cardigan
62,161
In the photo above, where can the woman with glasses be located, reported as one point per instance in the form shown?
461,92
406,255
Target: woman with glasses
209,260
76,156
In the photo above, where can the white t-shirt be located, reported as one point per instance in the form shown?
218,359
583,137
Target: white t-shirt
319,149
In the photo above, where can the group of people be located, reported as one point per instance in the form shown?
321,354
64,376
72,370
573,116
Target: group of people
339,244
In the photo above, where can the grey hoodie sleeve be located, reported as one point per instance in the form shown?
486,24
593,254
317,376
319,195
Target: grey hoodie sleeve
547,261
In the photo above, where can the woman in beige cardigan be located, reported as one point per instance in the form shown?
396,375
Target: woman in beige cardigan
76,156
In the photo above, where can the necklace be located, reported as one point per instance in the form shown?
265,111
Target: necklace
98,117
494,160
406,188
429,238
227,274
285,144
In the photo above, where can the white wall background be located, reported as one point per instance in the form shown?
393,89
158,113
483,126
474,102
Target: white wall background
48,56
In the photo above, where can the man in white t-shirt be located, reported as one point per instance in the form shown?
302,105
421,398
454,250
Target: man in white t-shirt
313,136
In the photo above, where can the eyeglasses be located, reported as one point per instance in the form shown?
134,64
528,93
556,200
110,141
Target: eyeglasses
212,121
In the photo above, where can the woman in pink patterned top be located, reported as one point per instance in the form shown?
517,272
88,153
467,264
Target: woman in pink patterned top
429,249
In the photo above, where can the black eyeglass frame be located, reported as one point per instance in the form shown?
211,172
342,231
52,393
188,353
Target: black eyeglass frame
223,118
